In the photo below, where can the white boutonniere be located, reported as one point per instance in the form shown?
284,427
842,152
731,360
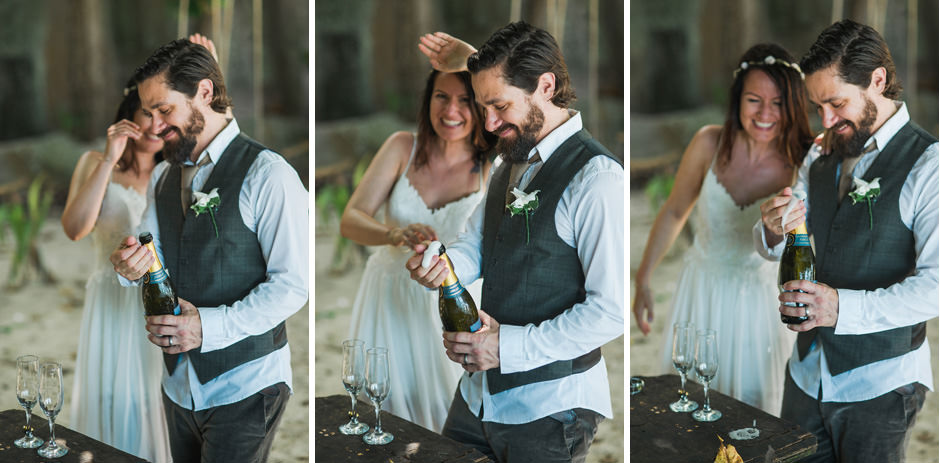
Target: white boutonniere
207,202
865,191
525,203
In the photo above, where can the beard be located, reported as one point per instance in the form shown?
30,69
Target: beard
516,149
179,150
850,145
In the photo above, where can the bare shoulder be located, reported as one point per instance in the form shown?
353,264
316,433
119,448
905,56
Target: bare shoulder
87,162
704,145
396,150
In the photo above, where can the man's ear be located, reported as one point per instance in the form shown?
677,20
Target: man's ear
204,91
879,80
546,86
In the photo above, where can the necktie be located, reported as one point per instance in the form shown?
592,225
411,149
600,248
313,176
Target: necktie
186,182
848,166
516,173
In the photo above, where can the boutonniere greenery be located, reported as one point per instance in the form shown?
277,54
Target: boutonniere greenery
867,192
207,202
525,203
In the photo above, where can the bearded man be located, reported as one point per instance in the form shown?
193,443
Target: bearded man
239,272
536,384
860,367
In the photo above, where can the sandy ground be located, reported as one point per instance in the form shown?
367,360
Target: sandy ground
333,306
44,320
644,351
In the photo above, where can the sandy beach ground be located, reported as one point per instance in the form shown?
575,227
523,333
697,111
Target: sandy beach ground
44,320
644,351
333,300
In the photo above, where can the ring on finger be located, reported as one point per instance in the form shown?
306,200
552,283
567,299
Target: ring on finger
170,341
466,359
806,311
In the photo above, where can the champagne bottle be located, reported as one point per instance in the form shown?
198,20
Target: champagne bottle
158,294
797,263
457,309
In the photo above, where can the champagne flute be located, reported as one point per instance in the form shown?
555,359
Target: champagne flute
682,360
27,393
354,376
377,389
51,396
706,366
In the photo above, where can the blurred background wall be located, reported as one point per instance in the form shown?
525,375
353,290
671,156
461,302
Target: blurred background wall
369,72
64,64
683,52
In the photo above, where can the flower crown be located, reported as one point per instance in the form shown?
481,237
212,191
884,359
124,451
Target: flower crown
130,89
769,61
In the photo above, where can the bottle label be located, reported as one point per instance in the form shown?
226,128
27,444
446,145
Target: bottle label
801,239
177,310
452,290
476,326
158,276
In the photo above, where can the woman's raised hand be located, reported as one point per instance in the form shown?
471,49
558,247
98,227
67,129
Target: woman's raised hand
411,235
118,133
204,41
446,53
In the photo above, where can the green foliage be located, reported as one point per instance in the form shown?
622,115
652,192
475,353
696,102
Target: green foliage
25,222
331,201
658,189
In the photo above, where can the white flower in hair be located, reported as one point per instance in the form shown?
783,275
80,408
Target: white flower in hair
770,60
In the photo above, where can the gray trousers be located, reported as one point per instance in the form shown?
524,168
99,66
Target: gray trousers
875,430
242,431
560,437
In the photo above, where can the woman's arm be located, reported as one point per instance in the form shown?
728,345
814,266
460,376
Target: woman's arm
358,222
672,217
90,180
446,53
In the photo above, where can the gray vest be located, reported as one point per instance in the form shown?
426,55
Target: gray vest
530,283
210,271
851,255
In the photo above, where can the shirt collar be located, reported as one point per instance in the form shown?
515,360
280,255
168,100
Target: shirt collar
556,137
218,144
890,128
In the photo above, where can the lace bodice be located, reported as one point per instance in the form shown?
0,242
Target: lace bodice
121,211
723,231
405,206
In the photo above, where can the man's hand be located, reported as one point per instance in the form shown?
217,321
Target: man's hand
772,210
176,334
446,53
475,351
131,260
430,277
822,304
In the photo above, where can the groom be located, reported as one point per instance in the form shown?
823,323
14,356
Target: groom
553,281
860,367
239,274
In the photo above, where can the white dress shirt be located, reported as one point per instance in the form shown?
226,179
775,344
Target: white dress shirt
273,204
908,302
590,218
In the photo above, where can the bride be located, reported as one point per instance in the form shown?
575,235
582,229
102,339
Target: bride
725,173
427,184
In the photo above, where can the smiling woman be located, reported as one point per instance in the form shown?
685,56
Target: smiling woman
427,183
724,174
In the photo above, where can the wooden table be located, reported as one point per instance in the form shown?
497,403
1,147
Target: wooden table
413,443
11,429
658,434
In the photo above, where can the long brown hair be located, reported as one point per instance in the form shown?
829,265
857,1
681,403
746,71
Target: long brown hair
795,134
481,140
126,110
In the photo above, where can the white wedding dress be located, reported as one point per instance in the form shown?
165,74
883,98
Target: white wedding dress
116,396
393,311
726,286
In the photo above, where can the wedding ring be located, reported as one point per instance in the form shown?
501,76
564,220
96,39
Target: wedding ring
170,340
806,311
466,360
